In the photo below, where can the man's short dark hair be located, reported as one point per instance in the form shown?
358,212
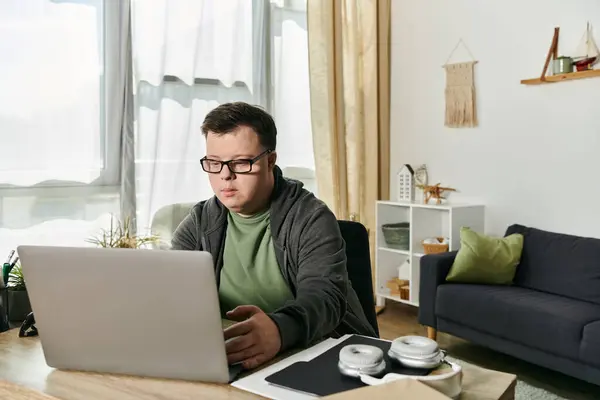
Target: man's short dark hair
229,116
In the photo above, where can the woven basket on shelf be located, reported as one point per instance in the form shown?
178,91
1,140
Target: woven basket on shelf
433,248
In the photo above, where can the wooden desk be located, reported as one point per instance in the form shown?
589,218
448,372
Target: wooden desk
22,363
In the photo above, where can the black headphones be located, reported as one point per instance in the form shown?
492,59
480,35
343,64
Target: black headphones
28,328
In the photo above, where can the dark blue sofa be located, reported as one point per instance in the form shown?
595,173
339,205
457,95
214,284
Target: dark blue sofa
550,316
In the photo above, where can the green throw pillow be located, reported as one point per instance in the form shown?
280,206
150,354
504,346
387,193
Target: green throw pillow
485,259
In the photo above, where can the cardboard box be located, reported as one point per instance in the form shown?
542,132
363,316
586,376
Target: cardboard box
395,285
396,390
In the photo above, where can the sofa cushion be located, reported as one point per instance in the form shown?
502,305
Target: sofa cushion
558,263
486,259
541,320
590,344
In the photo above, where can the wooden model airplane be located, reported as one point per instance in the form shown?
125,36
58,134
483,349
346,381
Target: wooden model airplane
434,192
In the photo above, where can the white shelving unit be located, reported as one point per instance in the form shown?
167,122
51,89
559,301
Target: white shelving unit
426,221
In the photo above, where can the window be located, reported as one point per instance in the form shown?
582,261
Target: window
60,168
52,74
192,55
290,90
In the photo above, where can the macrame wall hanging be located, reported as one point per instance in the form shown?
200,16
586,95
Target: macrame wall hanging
461,110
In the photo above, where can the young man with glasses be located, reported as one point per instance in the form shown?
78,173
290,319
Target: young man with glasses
279,256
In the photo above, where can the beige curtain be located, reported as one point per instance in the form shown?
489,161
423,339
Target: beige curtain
348,43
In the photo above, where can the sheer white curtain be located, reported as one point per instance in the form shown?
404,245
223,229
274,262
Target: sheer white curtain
59,173
192,55
291,96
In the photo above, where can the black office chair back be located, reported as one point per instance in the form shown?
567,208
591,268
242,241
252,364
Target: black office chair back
359,267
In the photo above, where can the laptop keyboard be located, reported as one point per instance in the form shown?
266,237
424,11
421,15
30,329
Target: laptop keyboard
226,323
236,369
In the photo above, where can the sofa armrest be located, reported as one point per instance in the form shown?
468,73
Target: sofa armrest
434,269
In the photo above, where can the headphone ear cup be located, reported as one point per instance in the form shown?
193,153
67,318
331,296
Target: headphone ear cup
416,352
361,355
358,359
414,346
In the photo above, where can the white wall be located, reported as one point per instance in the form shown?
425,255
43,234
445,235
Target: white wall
535,157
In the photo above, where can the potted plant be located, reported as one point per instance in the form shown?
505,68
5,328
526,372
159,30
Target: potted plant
120,235
18,305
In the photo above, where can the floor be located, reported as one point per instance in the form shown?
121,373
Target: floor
398,320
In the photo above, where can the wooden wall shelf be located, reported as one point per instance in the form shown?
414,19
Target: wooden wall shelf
562,77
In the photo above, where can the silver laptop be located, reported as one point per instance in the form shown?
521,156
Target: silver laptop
151,313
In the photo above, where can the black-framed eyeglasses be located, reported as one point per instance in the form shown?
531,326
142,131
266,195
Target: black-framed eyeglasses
239,166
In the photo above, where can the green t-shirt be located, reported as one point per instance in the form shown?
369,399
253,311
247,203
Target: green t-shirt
250,273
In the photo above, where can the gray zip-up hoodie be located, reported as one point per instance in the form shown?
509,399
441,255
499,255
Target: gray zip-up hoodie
310,252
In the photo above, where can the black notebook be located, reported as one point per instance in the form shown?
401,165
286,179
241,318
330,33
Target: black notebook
321,377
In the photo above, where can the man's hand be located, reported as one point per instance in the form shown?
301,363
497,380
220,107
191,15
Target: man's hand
256,338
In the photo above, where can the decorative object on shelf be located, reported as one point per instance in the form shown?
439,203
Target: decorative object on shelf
562,65
587,56
588,53
405,292
435,245
405,266
421,175
397,235
435,192
395,285
120,235
461,109
406,183
420,181
399,287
